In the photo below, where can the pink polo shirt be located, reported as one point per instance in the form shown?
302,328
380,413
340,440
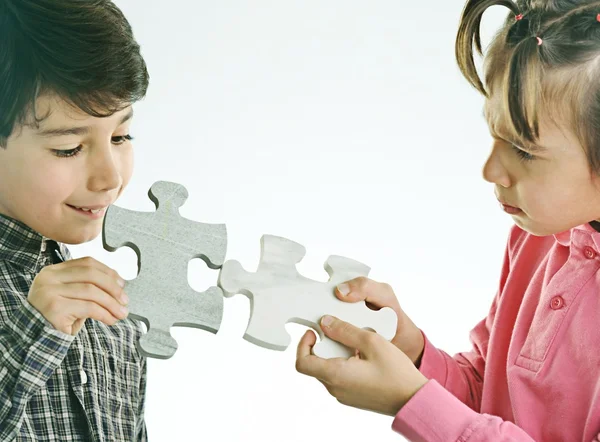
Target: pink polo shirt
534,370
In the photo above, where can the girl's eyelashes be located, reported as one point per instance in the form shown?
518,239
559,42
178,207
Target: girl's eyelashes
523,156
70,153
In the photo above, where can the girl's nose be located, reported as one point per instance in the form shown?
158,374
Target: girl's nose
494,170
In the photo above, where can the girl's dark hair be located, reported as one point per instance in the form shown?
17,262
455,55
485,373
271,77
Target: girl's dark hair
81,50
559,79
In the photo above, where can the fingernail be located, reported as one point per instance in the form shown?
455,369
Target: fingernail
121,282
344,289
124,298
124,310
326,321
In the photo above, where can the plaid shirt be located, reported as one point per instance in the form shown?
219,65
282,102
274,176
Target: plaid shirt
54,386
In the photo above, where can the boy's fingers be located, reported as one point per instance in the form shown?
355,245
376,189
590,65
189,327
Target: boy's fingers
92,294
86,309
364,289
89,262
347,334
92,275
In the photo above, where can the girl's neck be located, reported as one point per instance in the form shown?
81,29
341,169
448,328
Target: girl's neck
595,225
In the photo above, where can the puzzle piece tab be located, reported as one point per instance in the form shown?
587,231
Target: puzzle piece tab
279,294
165,242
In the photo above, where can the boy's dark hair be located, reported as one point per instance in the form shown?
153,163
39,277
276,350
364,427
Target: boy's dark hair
81,50
559,78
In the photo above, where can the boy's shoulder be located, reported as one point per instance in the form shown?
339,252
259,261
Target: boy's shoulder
25,249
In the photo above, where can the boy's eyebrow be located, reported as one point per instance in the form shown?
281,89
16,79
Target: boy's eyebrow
63,131
506,137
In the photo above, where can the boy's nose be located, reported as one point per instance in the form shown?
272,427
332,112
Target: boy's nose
104,172
494,170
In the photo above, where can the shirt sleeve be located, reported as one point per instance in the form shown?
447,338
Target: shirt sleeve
434,414
447,407
30,350
141,424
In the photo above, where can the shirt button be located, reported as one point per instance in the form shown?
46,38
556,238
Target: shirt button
43,245
589,252
84,377
557,302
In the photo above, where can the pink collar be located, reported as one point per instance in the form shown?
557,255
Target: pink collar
564,238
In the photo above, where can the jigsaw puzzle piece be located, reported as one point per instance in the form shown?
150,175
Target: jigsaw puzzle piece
209,239
279,294
192,309
276,271
164,243
384,321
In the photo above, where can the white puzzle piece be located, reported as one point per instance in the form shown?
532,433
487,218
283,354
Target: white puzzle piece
279,294
165,242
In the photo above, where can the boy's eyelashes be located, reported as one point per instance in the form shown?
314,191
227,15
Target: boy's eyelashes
69,153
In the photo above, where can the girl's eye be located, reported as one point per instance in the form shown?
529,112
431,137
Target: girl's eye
523,156
73,152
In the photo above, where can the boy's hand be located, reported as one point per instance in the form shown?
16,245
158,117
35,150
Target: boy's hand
377,295
68,293
382,379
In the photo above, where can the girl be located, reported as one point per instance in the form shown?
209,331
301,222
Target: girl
533,371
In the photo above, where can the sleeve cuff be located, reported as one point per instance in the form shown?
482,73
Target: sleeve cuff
434,414
433,363
28,324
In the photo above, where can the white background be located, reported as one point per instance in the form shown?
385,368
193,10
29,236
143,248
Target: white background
342,125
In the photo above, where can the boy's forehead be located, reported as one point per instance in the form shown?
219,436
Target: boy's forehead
52,110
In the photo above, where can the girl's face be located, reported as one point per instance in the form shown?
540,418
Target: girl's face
553,188
45,173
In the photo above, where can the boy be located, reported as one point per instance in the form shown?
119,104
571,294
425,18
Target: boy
70,71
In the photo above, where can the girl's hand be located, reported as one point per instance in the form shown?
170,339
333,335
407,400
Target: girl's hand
381,379
377,295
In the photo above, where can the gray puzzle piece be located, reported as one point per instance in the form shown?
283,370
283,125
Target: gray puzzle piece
279,294
165,242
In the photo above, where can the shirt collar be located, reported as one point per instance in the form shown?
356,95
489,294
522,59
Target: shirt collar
565,238
22,245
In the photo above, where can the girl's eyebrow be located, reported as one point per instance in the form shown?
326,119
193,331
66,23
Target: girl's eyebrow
82,130
520,143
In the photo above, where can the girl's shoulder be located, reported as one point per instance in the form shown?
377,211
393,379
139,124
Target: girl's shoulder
520,240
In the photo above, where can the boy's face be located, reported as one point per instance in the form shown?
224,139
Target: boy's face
555,190
43,176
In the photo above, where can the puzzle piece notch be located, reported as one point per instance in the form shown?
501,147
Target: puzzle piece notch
164,243
279,295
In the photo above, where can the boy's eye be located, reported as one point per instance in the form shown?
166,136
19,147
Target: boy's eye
67,153
73,152
523,156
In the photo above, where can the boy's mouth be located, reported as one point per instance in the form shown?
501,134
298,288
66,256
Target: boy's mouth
90,211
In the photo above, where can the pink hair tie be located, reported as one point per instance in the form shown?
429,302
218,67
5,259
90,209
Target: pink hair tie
539,40
520,16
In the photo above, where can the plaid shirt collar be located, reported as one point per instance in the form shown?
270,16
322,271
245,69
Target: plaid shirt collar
23,246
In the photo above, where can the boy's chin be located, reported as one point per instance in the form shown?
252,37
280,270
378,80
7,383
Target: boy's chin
79,237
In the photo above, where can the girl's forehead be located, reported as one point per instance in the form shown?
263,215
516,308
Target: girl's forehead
552,131
497,119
